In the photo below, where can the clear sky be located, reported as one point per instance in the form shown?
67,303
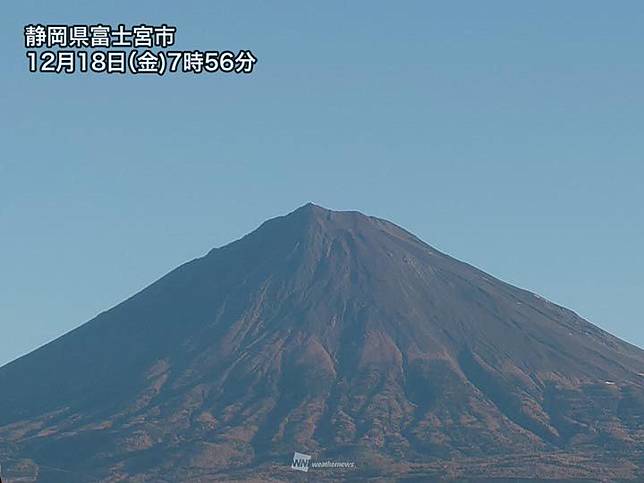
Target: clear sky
508,134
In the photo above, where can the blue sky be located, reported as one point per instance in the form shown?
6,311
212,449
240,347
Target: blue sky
508,134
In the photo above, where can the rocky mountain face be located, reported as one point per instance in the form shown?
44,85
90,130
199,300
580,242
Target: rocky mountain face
337,335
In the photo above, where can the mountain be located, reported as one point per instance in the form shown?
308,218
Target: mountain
336,335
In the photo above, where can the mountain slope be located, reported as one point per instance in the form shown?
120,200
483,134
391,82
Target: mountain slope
333,334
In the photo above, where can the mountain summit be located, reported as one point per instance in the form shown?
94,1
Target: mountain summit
337,335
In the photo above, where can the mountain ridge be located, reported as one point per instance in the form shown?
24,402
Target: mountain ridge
333,333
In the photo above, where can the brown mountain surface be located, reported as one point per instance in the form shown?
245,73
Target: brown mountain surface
337,335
